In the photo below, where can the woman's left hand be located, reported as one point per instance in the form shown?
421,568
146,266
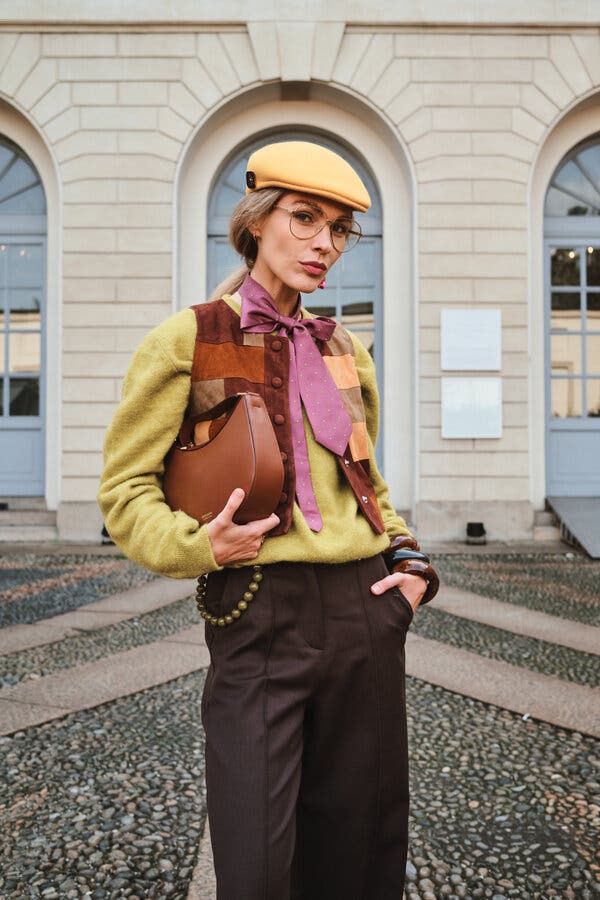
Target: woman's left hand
412,586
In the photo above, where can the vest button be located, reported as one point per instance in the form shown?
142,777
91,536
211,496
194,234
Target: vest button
283,455
279,419
277,381
283,497
276,344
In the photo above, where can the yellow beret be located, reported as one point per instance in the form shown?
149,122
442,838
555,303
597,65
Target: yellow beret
310,168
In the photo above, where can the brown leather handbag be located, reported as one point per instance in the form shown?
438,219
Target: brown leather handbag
232,445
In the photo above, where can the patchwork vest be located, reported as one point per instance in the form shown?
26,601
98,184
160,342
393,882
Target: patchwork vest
228,361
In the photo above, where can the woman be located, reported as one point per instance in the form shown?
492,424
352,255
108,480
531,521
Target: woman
303,704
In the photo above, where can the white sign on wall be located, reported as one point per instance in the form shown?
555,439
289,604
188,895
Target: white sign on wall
471,407
471,339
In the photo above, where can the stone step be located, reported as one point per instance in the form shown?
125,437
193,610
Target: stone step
20,503
28,533
546,533
16,518
544,517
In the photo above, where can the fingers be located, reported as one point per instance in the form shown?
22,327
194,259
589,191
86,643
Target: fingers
264,525
384,585
236,498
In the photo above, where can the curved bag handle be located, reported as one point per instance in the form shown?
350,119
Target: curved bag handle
186,432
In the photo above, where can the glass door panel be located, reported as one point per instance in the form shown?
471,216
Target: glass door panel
566,398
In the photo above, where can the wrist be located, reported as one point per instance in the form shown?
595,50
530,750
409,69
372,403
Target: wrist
404,555
425,570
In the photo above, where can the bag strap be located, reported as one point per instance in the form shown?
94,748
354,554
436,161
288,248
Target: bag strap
186,432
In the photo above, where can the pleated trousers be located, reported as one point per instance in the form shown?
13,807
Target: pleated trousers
306,752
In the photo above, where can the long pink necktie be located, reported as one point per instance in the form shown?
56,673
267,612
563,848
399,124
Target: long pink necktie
310,384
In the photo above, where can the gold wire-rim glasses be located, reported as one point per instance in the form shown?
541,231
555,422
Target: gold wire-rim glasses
350,238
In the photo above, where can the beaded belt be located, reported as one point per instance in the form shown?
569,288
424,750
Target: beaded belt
236,612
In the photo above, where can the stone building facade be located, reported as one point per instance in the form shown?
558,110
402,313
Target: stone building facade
134,129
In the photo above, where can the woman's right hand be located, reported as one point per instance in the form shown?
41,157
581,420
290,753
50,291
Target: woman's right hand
236,543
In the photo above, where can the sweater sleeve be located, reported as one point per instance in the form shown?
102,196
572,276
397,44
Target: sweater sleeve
394,524
154,398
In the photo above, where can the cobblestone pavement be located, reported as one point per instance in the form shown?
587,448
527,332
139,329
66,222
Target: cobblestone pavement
110,802
35,587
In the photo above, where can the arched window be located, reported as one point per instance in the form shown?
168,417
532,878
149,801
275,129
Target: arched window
353,292
572,241
22,295
575,186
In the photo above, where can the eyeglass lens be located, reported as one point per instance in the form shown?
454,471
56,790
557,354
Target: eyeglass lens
306,222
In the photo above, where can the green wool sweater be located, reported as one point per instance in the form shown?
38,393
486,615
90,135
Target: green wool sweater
154,399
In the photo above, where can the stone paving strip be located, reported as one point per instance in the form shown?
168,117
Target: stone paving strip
92,684
498,643
518,619
565,585
109,611
544,697
87,646
88,685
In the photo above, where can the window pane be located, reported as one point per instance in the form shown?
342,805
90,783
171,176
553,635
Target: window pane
590,159
593,266
20,190
24,351
565,354
571,178
565,266
593,311
24,397
593,355
593,397
566,312
359,317
25,266
357,266
321,310
560,204
24,305
566,397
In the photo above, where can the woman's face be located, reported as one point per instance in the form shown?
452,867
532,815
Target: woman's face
300,264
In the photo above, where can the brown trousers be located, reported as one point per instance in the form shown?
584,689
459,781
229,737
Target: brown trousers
304,714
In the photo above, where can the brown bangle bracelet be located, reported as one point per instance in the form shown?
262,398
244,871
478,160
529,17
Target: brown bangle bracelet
424,570
403,542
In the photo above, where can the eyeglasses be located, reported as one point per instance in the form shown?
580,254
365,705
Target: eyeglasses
308,221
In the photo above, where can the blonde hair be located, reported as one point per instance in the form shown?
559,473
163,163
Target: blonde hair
248,212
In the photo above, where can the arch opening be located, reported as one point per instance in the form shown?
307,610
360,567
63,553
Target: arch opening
29,312
565,309
324,112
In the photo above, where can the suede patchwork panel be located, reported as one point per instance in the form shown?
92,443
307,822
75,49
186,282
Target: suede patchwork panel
359,447
204,395
343,371
228,360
